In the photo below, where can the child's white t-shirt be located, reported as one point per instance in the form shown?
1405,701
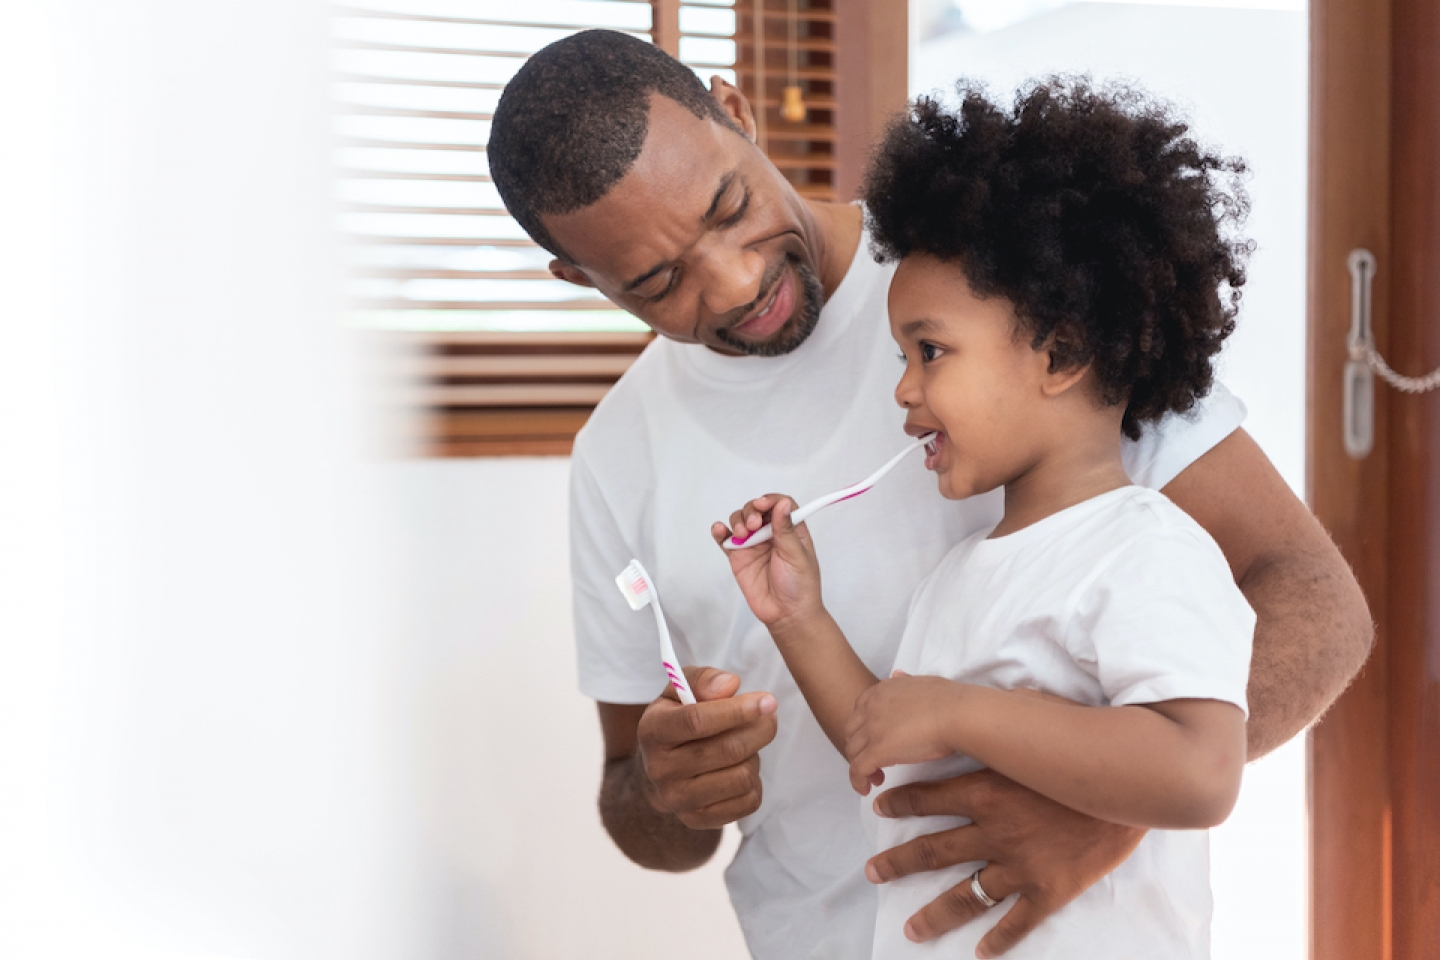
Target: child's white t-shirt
1122,599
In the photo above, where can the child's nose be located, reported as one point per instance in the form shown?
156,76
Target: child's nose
906,393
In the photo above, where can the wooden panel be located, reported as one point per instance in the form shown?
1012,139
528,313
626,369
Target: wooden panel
530,432
874,39
506,394
1349,204
803,150
1414,446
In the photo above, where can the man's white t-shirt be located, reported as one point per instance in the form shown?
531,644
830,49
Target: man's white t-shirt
1122,599
686,437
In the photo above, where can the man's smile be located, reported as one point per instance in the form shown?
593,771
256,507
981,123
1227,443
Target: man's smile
773,313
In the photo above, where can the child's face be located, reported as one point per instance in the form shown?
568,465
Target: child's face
970,374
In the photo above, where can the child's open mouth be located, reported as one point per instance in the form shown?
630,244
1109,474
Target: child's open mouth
932,451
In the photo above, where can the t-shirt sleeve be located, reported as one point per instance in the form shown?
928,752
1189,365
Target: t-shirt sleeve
1164,620
617,649
1167,448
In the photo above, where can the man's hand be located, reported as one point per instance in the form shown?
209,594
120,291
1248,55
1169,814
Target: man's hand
675,774
1047,853
702,762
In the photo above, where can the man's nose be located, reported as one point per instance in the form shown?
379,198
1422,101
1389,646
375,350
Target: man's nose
730,278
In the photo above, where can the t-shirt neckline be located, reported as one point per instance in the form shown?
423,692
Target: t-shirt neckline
1043,529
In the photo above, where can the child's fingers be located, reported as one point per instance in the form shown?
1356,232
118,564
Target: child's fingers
863,771
720,532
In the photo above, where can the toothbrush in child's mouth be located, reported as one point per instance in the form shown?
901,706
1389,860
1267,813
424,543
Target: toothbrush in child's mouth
854,490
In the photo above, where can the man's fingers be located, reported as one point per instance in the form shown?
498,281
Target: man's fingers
719,814
956,797
934,851
669,724
1017,923
715,787
954,907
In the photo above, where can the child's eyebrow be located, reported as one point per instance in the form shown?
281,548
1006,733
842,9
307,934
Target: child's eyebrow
911,327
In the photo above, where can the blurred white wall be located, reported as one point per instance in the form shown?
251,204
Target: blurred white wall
509,750
200,732
1241,77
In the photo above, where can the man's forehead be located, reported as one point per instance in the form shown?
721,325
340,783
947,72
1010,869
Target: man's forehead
674,183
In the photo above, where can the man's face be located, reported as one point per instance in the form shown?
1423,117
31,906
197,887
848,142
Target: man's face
703,239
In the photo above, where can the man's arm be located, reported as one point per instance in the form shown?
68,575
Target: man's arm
1313,628
675,775
1312,635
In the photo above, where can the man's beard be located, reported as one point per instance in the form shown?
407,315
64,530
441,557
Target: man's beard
808,301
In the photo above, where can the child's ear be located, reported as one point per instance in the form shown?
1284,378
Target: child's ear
1065,365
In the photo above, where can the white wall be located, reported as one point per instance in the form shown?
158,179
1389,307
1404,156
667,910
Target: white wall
509,751
1241,77
196,712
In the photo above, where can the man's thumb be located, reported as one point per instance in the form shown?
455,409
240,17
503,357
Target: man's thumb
708,683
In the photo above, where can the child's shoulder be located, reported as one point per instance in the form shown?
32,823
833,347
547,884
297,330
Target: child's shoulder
1145,530
1149,514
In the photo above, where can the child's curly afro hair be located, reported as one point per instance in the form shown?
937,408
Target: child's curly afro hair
1089,210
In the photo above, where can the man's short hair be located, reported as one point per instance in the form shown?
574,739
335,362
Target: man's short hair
574,118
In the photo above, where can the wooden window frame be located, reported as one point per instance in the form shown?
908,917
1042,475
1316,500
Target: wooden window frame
513,394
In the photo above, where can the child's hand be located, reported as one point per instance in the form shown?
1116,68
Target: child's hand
781,577
900,720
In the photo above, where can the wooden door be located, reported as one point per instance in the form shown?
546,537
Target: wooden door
1375,759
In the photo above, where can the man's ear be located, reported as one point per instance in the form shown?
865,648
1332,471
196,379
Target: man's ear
733,102
569,273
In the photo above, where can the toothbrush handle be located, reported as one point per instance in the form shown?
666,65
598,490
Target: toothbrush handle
667,657
815,506
800,515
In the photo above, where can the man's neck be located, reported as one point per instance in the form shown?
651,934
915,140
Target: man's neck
838,227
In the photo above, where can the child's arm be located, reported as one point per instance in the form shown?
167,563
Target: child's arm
781,582
1171,765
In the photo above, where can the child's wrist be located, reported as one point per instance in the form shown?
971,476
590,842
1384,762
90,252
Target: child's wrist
960,713
798,627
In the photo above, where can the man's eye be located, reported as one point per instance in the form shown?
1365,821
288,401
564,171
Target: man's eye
669,285
738,215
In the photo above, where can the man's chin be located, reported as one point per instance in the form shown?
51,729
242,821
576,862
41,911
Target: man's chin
785,340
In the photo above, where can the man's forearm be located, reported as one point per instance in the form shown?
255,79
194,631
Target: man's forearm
1312,636
654,840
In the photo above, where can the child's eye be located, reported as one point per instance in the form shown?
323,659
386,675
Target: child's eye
928,351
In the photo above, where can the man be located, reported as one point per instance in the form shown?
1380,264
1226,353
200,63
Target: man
774,370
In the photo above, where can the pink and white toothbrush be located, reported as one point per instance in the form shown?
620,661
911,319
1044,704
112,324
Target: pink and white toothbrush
814,506
639,590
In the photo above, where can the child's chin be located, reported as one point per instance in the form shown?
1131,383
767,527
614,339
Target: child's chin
951,490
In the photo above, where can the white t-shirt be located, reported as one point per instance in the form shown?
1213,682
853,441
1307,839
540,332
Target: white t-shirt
686,437
1122,599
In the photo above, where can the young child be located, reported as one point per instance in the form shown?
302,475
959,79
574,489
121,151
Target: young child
1062,280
